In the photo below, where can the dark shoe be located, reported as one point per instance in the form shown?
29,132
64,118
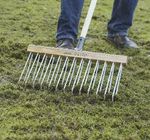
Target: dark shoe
66,44
122,41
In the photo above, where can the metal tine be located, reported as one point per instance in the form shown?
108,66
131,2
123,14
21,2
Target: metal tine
103,78
50,71
116,87
28,69
43,69
92,78
38,70
57,70
31,68
121,67
65,72
99,87
77,74
66,60
86,71
24,67
72,73
54,71
74,59
50,60
80,73
109,79
95,76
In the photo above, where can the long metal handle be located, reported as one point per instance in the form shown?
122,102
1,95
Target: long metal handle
86,25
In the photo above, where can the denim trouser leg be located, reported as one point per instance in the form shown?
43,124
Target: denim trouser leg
121,20
69,19
122,16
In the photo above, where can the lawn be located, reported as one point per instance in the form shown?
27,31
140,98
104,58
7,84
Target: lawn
41,115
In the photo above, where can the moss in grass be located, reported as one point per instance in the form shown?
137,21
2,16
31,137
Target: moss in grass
47,114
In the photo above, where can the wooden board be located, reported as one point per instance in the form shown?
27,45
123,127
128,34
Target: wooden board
78,54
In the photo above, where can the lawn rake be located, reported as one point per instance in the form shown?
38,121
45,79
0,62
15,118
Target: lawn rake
74,70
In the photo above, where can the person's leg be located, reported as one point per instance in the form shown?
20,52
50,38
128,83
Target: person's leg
122,16
69,19
121,21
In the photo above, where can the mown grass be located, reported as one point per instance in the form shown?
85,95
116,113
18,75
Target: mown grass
32,114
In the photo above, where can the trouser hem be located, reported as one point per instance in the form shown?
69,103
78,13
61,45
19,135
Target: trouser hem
110,34
66,37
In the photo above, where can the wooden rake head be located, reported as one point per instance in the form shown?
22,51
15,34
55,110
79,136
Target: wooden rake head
80,71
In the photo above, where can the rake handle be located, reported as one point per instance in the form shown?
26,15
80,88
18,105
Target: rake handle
86,25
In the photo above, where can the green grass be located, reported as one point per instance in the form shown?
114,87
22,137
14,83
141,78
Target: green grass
29,114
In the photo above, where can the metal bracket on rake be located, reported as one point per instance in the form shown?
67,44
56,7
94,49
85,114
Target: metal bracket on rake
77,71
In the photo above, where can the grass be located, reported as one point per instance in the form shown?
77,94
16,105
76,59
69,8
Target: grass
33,114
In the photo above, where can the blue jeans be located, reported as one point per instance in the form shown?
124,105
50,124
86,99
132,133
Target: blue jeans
120,22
